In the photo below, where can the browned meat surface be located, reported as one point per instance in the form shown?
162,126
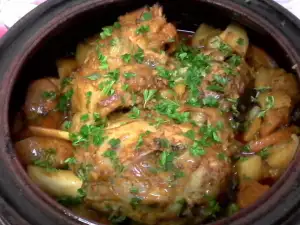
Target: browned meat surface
150,127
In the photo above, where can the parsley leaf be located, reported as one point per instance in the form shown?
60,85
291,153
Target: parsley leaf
47,160
129,75
169,108
139,56
49,95
142,29
147,16
93,77
148,95
71,160
114,142
166,160
106,32
135,113
270,101
112,155
210,101
135,201
240,41
64,101
84,117
126,58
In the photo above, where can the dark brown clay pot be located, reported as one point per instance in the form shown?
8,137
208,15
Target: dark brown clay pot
28,51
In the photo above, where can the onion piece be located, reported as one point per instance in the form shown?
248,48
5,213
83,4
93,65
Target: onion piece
46,132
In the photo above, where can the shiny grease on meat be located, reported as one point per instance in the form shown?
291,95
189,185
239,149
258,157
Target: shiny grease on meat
148,128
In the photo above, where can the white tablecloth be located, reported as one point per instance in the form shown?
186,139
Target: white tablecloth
12,10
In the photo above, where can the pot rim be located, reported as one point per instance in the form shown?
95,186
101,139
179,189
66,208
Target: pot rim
19,178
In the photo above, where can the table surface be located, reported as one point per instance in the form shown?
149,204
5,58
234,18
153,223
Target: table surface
12,10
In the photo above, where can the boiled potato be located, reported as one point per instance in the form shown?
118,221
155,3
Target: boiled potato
203,33
257,58
41,102
56,183
273,119
249,192
278,80
82,51
282,154
65,67
250,168
252,130
281,99
236,37
38,148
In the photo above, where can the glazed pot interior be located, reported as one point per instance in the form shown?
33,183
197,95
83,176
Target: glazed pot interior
186,15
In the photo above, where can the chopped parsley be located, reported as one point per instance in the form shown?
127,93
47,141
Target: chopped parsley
235,60
135,201
49,95
222,156
210,101
140,141
139,56
212,207
106,32
112,155
115,41
129,75
146,16
134,190
135,113
103,61
107,87
148,95
270,101
47,160
166,160
198,66
64,101
83,172
117,25
126,58
142,29
71,201
65,82
114,142
88,134
240,41
93,76
70,160
88,96
264,153
191,134
169,108
84,117
67,125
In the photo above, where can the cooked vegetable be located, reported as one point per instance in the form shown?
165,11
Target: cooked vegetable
257,58
250,168
203,34
274,138
49,152
236,37
41,100
151,126
282,154
45,132
249,192
57,183
65,67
